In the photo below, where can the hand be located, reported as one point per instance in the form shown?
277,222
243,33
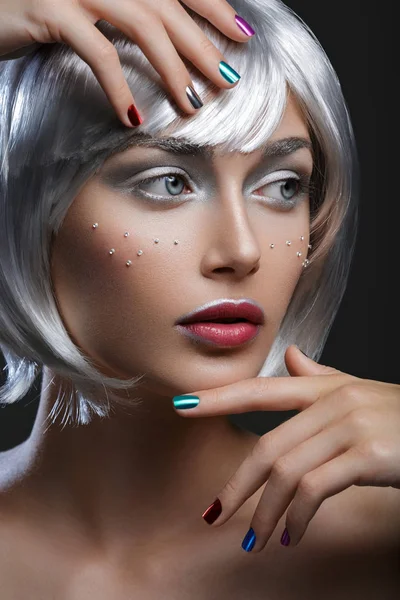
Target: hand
156,27
347,433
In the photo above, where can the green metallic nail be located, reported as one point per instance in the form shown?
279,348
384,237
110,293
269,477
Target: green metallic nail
227,72
185,401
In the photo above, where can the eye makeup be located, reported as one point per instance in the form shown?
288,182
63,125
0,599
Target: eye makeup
276,179
144,171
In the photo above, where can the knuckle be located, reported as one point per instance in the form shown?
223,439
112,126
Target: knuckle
216,398
107,53
168,6
207,46
43,21
353,393
231,488
263,450
308,488
122,89
377,451
281,469
362,419
259,388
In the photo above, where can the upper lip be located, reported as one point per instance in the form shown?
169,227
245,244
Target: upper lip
225,309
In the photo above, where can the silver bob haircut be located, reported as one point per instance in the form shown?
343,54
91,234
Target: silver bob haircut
56,130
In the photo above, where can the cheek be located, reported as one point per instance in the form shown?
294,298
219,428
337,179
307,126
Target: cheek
285,248
101,276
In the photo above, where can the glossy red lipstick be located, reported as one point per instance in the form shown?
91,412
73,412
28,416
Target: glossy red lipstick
223,322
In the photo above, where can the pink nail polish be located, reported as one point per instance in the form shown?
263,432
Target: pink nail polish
244,26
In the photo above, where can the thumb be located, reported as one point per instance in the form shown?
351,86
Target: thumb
298,363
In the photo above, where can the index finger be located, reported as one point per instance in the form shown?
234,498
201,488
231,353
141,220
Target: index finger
259,393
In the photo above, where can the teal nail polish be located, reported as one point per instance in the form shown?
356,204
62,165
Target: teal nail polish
185,401
228,73
249,540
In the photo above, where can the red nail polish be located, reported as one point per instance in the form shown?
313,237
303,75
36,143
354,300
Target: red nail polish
134,115
213,511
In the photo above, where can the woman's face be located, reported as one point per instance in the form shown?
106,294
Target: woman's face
225,212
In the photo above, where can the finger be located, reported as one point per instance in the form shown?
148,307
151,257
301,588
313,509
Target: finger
329,479
298,363
178,29
288,474
301,443
224,17
149,33
192,42
260,393
100,54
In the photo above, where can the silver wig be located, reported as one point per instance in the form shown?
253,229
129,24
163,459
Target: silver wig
56,130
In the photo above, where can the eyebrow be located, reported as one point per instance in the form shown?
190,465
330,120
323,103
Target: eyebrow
281,147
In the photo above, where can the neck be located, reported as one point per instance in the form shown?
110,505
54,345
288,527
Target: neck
147,470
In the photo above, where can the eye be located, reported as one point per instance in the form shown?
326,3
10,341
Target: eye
285,190
172,183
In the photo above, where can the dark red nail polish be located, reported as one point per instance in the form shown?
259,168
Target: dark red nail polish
213,511
134,115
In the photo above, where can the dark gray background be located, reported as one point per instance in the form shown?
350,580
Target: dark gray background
358,38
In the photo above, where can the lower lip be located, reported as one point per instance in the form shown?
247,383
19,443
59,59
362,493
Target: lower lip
222,334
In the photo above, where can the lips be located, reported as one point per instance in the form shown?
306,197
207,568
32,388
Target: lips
225,312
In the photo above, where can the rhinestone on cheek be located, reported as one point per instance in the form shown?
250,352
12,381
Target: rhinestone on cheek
128,263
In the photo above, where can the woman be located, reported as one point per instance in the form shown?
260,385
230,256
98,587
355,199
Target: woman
111,237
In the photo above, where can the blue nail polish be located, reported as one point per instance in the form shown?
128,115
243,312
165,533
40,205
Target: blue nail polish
228,73
187,401
249,540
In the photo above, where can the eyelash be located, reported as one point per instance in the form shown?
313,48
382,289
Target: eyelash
303,181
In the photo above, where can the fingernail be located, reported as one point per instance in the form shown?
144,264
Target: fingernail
228,73
185,401
193,97
285,539
244,26
134,116
213,511
249,540
303,353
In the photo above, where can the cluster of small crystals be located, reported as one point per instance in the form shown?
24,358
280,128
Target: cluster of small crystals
128,263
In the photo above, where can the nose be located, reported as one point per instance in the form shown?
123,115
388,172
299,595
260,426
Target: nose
233,246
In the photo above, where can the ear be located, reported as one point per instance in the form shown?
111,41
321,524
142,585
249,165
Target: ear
298,363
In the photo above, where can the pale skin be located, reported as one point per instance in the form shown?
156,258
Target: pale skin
119,502
115,507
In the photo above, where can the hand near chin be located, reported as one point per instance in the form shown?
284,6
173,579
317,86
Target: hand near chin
346,433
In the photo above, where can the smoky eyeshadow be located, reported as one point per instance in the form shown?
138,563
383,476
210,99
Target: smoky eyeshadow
119,174
199,168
